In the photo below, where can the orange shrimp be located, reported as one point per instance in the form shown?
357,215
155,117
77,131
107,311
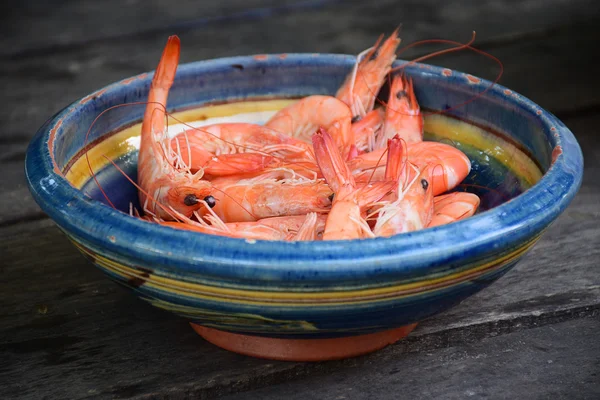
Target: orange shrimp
411,211
395,171
304,117
361,86
452,207
312,228
454,164
171,188
365,129
234,148
402,114
346,220
396,166
268,196
290,228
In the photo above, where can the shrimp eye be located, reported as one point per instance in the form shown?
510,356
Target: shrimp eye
400,94
354,119
424,184
190,200
210,201
331,197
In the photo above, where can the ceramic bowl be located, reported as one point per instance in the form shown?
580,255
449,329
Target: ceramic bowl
306,300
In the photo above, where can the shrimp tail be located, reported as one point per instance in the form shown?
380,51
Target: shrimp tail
359,90
332,165
164,76
453,207
339,176
163,79
395,168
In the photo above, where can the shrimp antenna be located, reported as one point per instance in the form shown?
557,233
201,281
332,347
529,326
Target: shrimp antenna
85,142
444,178
460,46
377,165
466,46
87,158
165,209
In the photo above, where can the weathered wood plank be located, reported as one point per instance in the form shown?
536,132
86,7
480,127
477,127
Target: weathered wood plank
68,24
531,68
17,205
81,334
546,362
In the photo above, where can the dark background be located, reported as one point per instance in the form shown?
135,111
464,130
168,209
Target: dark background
68,332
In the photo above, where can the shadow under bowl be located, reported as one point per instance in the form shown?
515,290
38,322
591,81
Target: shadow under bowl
305,300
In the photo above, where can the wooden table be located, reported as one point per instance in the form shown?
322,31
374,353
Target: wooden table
66,331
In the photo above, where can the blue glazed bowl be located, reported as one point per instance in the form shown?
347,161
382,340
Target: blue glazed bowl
527,167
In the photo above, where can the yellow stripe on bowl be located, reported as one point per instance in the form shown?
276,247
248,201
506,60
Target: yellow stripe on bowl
278,298
506,153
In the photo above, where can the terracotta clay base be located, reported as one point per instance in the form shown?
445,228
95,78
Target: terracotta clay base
302,349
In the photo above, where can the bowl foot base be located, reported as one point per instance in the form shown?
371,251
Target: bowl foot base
302,349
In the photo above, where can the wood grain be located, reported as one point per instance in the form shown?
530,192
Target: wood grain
532,364
68,25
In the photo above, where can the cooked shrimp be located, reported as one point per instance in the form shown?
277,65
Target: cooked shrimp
395,171
412,209
312,228
452,207
365,129
168,188
234,148
402,114
264,196
361,86
454,165
290,228
304,117
346,220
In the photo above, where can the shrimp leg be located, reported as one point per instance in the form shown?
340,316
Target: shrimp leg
346,220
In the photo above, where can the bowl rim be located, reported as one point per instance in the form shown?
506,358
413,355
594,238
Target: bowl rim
177,252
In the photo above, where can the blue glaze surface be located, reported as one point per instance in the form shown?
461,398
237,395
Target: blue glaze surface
314,266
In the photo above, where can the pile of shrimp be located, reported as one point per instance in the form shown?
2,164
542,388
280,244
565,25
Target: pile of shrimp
323,168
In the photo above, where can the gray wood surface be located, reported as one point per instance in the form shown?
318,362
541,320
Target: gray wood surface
66,25
528,364
66,331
